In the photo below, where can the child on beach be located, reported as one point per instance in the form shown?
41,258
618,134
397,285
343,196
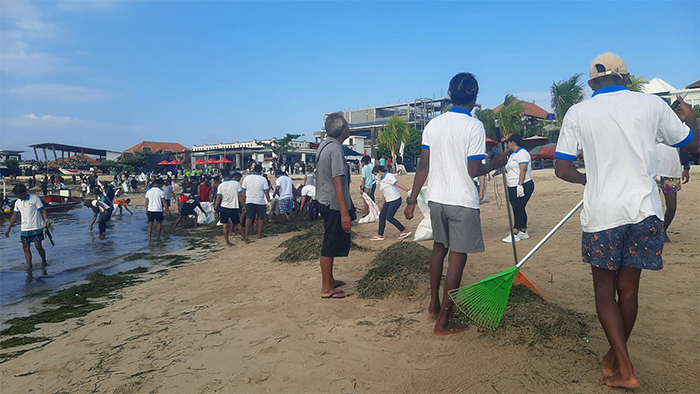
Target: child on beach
617,131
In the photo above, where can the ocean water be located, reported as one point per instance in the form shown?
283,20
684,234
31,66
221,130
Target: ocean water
78,252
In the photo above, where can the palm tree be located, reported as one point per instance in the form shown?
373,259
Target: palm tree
395,132
637,83
487,117
510,116
565,94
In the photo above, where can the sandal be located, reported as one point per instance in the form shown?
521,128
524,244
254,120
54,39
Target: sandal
404,235
377,238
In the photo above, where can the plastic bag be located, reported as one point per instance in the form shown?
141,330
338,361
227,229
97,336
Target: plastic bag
207,216
424,231
373,214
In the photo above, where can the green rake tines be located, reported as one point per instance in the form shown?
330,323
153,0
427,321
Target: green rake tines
484,302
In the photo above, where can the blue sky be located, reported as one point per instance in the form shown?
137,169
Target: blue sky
109,74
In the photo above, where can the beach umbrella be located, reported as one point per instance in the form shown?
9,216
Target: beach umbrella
174,163
199,161
164,163
223,160
211,161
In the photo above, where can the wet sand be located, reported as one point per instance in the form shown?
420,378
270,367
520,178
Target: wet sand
241,322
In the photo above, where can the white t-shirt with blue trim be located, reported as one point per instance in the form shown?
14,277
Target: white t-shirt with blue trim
454,138
389,189
256,187
30,212
520,156
617,131
228,190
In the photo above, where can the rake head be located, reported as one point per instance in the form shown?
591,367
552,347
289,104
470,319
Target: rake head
485,301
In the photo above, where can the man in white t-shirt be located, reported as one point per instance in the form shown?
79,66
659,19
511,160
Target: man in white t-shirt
31,210
229,201
617,131
668,178
284,188
155,204
453,147
256,193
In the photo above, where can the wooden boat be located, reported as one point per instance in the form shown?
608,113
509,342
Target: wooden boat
54,203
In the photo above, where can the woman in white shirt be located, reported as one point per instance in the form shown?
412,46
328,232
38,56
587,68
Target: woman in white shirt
520,185
392,201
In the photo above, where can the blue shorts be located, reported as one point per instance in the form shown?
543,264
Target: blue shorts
637,245
286,205
27,237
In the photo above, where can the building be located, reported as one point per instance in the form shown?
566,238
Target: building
659,87
369,122
532,113
11,155
157,147
243,154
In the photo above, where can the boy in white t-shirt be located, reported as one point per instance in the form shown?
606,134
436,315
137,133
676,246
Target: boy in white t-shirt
454,144
617,131
31,210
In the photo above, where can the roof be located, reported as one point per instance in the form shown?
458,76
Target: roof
529,109
656,86
694,85
156,147
70,148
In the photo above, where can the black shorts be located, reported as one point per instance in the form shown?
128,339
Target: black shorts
336,242
232,215
154,216
255,210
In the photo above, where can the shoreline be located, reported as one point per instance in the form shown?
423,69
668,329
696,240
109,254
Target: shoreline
237,321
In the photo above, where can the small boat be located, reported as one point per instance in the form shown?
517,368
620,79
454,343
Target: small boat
53,203
66,171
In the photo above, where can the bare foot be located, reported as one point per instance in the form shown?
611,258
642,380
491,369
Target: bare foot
229,244
617,381
451,328
609,362
262,236
245,241
434,310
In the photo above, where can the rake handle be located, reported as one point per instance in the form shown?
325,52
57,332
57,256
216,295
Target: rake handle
497,129
549,234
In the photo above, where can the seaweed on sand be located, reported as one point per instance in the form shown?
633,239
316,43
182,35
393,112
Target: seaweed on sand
21,341
529,319
74,301
306,246
398,269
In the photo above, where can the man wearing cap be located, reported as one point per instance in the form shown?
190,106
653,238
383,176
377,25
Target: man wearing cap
617,131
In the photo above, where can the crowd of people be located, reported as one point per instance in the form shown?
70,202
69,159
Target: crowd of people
630,141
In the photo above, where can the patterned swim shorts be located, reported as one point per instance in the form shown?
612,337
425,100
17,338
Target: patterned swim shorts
286,205
632,245
27,237
669,185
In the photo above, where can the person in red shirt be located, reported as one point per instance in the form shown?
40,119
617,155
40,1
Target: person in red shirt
121,204
204,192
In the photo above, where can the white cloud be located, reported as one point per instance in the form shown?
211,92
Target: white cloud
57,92
542,99
34,63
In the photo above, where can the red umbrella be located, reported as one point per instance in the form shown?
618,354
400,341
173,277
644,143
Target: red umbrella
211,161
174,163
224,160
164,163
200,161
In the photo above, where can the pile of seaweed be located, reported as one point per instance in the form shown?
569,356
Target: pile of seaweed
529,319
397,269
306,246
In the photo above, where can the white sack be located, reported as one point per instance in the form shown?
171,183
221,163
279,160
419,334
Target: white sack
373,214
207,216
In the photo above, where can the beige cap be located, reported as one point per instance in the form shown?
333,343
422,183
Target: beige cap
607,64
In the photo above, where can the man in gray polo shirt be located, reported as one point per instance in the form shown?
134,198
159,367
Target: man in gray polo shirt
333,195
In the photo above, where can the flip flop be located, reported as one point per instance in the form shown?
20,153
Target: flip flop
337,295
377,238
339,283
404,235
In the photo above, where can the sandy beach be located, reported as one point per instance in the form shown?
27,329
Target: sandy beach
238,322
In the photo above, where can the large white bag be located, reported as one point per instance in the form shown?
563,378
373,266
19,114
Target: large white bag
373,214
424,231
207,216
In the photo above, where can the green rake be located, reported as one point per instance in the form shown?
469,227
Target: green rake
485,301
